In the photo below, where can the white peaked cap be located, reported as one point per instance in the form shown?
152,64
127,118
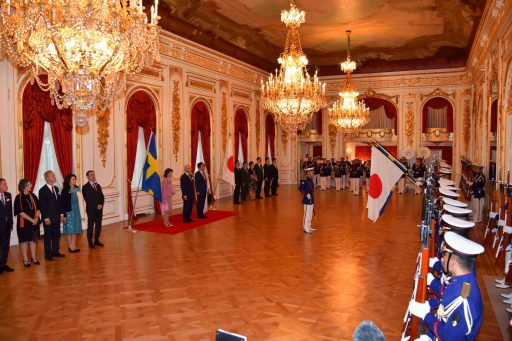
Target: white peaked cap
457,222
454,202
448,193
462,245
456,210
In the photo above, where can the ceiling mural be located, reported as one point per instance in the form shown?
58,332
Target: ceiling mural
387,35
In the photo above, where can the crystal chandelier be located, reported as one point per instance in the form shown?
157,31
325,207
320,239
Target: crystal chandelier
347,113
85,47
291,94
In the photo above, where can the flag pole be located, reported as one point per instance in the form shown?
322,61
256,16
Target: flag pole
130,229
383,150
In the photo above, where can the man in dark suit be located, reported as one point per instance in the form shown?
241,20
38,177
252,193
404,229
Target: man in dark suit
201,188
6,223
52,216
187,193
246,180
267,174
275,176
238,183
94,201
258,169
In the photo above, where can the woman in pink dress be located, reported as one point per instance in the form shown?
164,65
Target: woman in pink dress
167,193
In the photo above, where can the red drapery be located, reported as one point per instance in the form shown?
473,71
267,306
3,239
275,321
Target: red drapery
494,116
317,151
270,134
200,122
241,131
364,153
37,108
374,103
140,112
438,103
446,152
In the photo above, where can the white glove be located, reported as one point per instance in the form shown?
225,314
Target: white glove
430,278
308,196
432,261
423,337
419,309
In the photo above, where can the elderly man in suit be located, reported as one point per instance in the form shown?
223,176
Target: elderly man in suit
6,223
238,183
52,215
187,193
201,189
94,201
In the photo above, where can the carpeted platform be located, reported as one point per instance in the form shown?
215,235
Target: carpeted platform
157,225
502,316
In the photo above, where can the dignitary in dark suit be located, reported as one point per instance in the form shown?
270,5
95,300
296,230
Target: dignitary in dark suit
94,201
275,176
246,180
258,169
6,223
52,216
187,193
267,175
201,189
238,183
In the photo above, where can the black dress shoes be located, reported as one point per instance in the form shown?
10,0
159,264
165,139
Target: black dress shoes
91,246
188,221
7,268
73,251
59,255
48,258
203,217
98,243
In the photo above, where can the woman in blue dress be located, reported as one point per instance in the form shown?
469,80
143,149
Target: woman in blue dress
73,224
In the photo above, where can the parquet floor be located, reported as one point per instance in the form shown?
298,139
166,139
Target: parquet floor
256,274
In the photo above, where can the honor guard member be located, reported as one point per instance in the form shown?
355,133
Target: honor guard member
478,193
323,176
460,311
307,188
418,171
316,174
401,181
337,176
367,171
355,174
343,171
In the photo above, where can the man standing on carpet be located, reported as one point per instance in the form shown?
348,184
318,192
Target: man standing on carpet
267,173
258,168
201,188
246,180
238,183
94,201
275,176
307,188
187,193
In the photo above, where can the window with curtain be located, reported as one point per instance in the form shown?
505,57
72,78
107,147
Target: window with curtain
437,118
240,155
140,160
380,120
48,160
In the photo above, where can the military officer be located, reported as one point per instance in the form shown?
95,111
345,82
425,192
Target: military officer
418,170
324,173
478,193
401,182
307,188
355,174
367,172
337,175
460,311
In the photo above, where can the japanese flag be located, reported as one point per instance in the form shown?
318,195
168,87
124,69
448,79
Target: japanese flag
228,166
384,174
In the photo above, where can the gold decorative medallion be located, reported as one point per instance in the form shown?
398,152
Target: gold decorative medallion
103,121
176,118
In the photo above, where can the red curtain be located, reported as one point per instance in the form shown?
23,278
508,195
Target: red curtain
241,131
270,134
140,112
37,108
317,151
200,122
494,116
438,103
364,153
374,103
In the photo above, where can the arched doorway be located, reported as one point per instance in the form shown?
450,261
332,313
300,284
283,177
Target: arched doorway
200,134
437,127
270,136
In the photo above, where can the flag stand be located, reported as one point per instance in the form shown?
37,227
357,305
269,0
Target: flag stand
130,221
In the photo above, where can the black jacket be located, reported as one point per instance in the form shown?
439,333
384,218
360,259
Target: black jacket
274,172
51,207
187,187
6,211
200,182
238,176
246,177
259,171
267,172
93,197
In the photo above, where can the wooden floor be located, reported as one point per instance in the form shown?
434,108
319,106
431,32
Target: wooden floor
256,274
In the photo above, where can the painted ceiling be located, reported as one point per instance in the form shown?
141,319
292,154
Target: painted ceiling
387,35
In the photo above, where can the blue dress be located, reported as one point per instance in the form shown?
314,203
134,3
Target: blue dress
73,222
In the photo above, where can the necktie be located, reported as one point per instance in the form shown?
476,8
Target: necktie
94,185
3,199
54,194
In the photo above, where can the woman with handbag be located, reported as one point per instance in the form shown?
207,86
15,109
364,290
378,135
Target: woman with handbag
167,193
69,199
26,207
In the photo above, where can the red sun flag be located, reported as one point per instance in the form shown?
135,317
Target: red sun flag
228,166
375,186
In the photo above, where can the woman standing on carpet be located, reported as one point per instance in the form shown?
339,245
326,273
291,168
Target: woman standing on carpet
167,193
26,207
69,199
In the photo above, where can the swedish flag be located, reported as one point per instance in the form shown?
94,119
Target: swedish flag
150,176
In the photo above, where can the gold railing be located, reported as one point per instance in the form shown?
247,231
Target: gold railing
310,136
380,135
438,135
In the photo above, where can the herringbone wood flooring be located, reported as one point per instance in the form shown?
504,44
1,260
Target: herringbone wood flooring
256,274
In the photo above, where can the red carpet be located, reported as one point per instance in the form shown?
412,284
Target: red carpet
157,225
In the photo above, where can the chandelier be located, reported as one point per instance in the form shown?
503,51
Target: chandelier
85,48
347,113
291,94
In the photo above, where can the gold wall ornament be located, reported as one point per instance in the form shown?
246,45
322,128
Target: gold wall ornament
258,126
333,131
103,122
372,94
176,118
466,126
438,93
409,125
284,139
224,120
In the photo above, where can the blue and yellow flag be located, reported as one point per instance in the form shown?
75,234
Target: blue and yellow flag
150,176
